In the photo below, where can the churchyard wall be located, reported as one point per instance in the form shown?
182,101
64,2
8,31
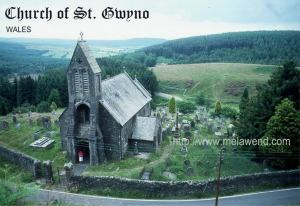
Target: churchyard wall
22,160
184,188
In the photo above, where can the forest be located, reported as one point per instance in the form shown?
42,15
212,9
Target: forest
261,47
25,93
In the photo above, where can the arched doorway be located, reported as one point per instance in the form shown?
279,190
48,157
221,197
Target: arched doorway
83,114
82,152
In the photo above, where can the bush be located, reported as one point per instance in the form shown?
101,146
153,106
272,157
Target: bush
186,106
43,107
202,100
25,108
229,112
192,124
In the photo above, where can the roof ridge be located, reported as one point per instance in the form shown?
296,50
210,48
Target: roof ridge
140,84
133,81
113,77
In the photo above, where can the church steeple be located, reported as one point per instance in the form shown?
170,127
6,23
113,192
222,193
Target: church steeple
84,74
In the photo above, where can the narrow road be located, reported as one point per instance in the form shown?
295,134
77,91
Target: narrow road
168,96
283,197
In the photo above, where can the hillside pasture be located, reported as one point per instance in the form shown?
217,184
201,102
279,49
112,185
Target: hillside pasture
218,81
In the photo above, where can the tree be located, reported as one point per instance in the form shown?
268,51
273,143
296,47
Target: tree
218,108
53,106
244,102
54,97
4,107
202,100
254,116
243,123
43,107
172,106
229,112
284,124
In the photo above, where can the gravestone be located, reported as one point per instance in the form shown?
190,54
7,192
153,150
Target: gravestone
190,171
44,121
30,121
4,125
169,175
35,136
199,163
49,134
184,149
14,118
136,151
18,126
168,162
187,163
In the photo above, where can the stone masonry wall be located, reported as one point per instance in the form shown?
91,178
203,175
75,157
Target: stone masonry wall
185,187
24,161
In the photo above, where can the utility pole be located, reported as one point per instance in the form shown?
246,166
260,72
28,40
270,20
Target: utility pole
218,176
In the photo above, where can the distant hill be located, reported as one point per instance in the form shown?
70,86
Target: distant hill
262,47
63,48
16,58
134,42
26,55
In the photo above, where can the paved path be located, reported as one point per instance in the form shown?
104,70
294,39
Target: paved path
282,197
78,169
167,96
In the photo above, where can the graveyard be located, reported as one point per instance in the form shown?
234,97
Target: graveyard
29,129
171,163
198,161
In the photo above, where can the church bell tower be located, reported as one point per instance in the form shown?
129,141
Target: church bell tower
82,136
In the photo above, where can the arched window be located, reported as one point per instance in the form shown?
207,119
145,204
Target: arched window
83,114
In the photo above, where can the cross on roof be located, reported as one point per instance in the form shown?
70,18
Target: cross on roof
81,36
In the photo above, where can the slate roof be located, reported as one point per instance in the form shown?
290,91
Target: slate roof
144,128
87,53
123,98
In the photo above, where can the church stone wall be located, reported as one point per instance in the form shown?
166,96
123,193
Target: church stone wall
126,133
145,111
111,131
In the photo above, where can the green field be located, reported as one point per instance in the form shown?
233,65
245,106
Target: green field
218,81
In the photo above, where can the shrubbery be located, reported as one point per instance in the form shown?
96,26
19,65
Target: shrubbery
186,106
43,107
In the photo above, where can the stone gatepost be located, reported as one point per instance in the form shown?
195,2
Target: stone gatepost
37,169
48,172
68,167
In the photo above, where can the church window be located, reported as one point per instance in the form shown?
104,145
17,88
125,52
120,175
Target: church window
85,77
77,82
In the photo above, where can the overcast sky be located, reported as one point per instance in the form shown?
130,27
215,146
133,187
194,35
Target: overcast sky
168,18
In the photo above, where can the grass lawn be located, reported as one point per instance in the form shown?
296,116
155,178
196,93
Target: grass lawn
19,139
224,81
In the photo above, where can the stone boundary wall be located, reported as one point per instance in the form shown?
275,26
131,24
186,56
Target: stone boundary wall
182,188
24,161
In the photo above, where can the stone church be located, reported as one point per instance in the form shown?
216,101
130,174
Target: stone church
105,119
